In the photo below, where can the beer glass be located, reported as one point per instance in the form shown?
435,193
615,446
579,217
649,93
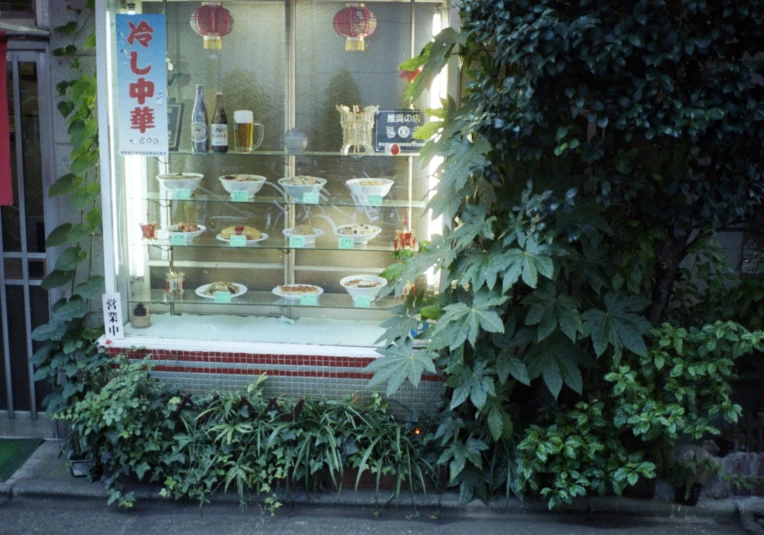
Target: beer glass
244,131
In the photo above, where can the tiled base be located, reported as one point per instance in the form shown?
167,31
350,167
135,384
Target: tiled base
291,375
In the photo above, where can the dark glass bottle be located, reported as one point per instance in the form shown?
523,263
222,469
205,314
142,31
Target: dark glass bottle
219,126
200,139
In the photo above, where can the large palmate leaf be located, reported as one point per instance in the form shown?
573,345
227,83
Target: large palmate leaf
474,383
479,268
475,223
463,321
438,254
400,362
557,360
527,264
397,326
620,325
548,309
432,60
507,343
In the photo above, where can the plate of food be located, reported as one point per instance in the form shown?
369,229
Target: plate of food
364,187
208,291
249,183
297,186
296,291
189,230
304,231
363,285
251,233
361,233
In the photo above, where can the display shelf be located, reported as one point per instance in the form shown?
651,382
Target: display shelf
304,154
255,298
322,244
281,199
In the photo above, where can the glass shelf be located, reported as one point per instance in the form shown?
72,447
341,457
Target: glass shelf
252,298
322,244
304,154
265,199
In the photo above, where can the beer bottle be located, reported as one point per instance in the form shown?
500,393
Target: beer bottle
219,126
199,135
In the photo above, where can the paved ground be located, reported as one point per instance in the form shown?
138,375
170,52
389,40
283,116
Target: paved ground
90,517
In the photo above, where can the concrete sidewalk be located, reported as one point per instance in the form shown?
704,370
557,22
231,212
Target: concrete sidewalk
45,476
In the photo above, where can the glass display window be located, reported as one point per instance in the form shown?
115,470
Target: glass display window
292,173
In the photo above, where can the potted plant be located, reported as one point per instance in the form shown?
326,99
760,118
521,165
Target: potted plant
141,316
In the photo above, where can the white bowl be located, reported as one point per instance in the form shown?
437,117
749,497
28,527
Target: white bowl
189,235
251,186
363,292
298,191
240,291
277,291
356,187
188,181
310,239
249,242
358,239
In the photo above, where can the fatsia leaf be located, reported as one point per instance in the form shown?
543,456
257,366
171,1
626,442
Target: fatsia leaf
478,268
400,362
556,359
507,343
463,321
437,54
548,309
462,157
474,224
527,264
496,423
619,325
474,383
437,253
397,326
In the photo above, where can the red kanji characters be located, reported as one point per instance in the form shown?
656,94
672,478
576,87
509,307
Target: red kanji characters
134,64
142,119
141,90
143,33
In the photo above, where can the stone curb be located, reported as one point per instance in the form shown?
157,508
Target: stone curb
722,510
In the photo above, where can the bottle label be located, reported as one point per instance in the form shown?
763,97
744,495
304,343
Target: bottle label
198,132
219,135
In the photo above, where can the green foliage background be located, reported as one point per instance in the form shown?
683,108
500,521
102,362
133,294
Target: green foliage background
597,144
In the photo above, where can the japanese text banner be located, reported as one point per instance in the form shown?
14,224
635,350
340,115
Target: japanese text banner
142,84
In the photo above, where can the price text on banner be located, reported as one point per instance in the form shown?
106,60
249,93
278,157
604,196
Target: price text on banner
142,84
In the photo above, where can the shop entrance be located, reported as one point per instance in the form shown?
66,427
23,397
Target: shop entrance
24,304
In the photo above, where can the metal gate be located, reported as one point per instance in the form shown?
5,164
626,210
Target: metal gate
23,303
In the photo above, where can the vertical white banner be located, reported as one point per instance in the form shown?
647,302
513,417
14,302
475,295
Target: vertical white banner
112,316
142,85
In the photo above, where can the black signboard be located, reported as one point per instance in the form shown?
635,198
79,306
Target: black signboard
395,128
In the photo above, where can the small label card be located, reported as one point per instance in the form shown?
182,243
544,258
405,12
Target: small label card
181,194
223,297
310,198
362,301
346,243
309,299
238,241
374,200
178,239
239,196
297,241
112,315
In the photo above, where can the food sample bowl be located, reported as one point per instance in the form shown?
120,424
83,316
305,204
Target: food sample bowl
363,187
310,239
201,291
249,183
347,231
355,291
189,235
298,190
189,181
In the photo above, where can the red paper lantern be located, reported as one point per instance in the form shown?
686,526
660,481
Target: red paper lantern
355,23
212,21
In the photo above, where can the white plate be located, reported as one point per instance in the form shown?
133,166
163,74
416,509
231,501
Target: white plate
249,242
189,235
277,291
358,239
309,238
201,289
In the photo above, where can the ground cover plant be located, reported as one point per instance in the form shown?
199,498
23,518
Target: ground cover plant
596,145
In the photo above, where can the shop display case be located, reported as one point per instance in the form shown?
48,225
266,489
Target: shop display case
299,226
